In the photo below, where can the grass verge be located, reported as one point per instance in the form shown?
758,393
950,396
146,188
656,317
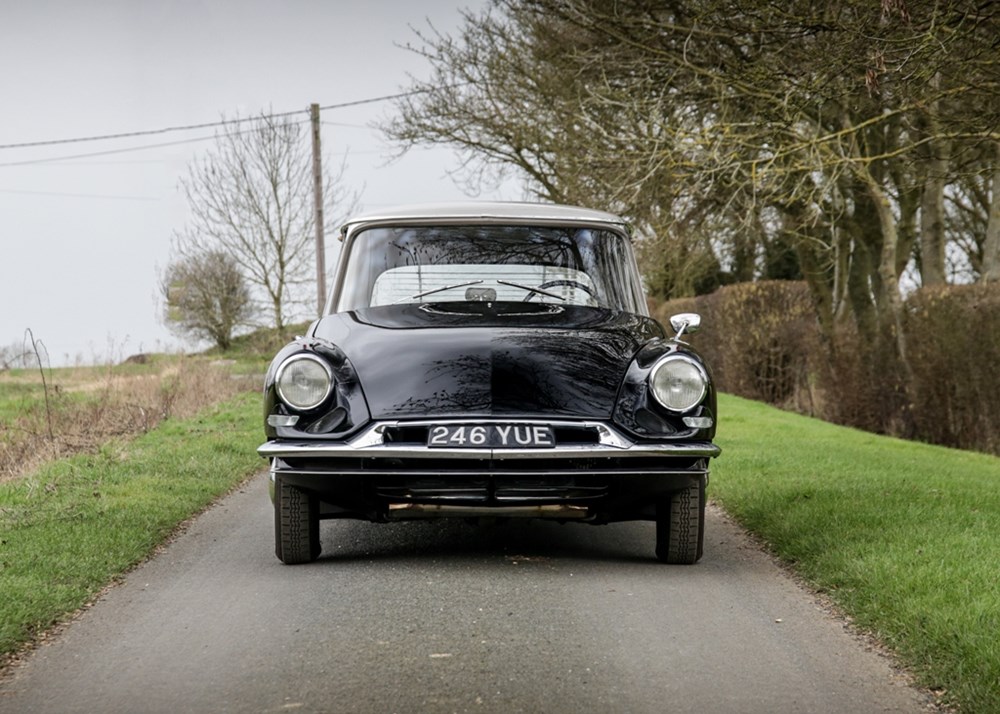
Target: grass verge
904,537
76,524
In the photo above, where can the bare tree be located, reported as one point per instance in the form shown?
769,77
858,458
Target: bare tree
991,244
826,140
251,198
13,356
206,297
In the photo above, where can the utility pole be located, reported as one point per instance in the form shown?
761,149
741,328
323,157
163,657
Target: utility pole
318,202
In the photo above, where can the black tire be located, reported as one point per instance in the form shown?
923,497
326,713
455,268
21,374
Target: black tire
296,525
680,526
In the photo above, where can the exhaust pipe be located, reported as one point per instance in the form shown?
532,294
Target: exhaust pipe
400,511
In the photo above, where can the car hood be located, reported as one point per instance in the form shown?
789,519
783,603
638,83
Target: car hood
479,359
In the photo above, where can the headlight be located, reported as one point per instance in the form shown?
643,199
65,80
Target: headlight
304,382
678,383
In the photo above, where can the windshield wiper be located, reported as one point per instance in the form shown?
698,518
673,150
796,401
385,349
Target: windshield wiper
532,290
441,289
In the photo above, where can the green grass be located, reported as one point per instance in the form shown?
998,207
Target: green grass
20,398
904,537
15,398
72,527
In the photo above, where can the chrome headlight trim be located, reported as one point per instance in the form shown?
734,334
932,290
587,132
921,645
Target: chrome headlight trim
688,400
326,375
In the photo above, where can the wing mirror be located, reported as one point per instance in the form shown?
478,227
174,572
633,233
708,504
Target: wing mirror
685,323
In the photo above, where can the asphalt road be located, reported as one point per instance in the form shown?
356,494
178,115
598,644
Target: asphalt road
446,617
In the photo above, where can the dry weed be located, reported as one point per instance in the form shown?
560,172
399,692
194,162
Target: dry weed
79,410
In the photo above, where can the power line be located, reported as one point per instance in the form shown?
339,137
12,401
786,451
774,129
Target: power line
144,147
205,125
79,195
129,134
128,149
109,152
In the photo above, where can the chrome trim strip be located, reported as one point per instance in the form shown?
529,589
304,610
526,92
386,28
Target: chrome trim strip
371,443
336,471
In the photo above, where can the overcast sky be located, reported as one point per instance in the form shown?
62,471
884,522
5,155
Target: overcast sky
82,239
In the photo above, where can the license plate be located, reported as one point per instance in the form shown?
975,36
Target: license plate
491,436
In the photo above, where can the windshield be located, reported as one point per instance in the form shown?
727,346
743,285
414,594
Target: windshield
495,263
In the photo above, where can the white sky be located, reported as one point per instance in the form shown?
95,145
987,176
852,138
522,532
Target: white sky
81,240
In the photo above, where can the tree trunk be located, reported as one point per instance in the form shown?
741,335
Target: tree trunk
812,264
935,157
932,237
890,302
991,246
862,282
860,286
891,353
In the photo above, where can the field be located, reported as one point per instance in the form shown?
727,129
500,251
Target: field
55,413
46,414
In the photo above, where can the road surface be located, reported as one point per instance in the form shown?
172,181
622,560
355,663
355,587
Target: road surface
447,617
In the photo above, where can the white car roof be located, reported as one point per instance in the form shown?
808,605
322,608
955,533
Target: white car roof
486,212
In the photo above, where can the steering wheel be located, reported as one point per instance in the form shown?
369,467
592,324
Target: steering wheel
562,283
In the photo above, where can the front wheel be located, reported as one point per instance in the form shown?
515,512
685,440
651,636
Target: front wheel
296,525
680,525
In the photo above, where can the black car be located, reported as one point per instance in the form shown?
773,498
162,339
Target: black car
489,360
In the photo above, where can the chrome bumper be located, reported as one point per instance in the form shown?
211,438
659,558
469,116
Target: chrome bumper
371,443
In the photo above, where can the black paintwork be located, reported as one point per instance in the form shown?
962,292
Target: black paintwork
520,360
478,359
